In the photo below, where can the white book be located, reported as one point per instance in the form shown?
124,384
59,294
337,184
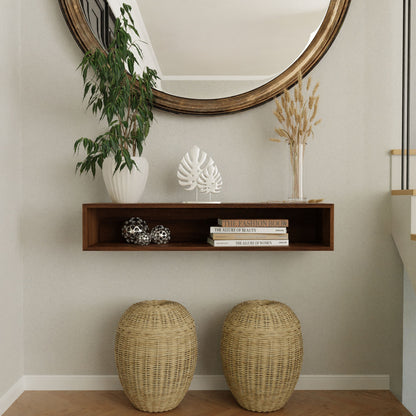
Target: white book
247,243
254,230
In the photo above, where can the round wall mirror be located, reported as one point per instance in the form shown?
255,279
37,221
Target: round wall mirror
216,57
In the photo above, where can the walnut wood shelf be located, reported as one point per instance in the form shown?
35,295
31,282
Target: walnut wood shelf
311,226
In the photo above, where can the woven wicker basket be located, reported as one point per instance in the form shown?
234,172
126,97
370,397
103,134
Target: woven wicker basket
262,351
156,351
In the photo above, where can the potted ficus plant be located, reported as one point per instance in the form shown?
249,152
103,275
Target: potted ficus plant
124,99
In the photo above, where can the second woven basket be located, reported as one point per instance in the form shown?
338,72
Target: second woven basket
156,352
262,351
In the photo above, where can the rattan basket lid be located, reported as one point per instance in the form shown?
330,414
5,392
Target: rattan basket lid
156,315
261,315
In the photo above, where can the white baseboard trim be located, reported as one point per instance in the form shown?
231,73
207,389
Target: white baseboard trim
209,382
212,382
11,395
344,382
72,383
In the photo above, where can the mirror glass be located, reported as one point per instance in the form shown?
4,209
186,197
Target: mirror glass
215,48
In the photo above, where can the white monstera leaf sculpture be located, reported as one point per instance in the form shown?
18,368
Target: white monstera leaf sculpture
192,165
210,181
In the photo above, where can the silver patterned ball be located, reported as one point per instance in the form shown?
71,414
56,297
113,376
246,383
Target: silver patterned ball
160,234
132,228
142,239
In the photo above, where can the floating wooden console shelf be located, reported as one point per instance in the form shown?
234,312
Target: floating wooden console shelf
311,226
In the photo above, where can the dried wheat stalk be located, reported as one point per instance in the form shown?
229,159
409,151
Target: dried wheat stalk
297,113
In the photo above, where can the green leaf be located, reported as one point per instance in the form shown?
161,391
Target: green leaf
130,63
140,147
86,89
77,144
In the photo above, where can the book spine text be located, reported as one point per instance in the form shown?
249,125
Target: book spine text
244,230
257,222
247,243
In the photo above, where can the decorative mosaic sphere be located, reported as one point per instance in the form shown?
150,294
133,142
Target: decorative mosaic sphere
132,228
142,239
160,234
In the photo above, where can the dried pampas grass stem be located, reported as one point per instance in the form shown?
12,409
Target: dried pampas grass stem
297,112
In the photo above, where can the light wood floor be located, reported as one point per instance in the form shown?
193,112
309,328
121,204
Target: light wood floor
206,403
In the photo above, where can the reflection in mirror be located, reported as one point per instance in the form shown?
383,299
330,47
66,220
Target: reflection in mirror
215,48
100,18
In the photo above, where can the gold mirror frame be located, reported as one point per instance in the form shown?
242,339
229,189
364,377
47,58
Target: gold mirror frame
326,34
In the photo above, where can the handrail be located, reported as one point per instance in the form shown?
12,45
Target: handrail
406,70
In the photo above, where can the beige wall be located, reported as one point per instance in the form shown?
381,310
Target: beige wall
11,283
349,301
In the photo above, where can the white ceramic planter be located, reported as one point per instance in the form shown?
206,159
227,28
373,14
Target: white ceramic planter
125,186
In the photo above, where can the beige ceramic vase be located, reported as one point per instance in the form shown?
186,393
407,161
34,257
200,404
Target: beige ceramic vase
125,187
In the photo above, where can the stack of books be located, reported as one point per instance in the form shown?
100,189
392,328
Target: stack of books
249,233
